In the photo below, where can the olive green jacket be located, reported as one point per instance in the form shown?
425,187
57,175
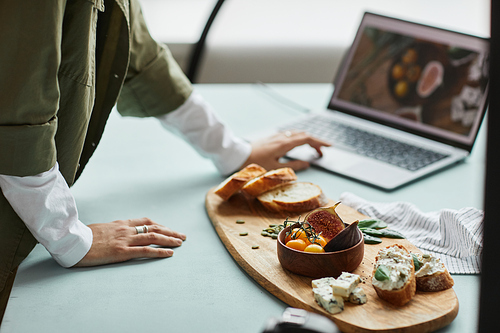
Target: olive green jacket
61,72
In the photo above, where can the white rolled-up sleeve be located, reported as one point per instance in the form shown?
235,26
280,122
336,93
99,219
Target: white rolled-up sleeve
196,122
46,205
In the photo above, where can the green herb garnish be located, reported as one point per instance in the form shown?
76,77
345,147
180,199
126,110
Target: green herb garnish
416,262
382,273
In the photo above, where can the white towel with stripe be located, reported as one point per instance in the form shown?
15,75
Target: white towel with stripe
454,236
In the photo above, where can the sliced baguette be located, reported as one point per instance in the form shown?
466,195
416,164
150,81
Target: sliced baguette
237,180
391,257
435,282
268,181
432,275
293,197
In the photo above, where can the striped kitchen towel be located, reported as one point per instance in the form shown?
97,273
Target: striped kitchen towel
454,236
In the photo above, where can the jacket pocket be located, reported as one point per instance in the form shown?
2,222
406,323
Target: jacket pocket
79,40
98,4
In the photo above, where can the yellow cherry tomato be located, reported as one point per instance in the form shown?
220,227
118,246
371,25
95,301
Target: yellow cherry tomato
314,248
398,72
401,89
320,240
296,233
410,56
413,73
296,244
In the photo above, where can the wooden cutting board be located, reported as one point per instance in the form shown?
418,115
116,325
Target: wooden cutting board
426,312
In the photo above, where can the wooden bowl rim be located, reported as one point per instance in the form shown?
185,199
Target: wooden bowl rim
280,242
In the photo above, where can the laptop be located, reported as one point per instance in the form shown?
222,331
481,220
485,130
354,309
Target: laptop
408,101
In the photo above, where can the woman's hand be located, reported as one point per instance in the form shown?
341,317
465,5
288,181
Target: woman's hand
120,241
267,152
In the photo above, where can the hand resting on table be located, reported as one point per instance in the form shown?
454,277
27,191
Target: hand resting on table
119,241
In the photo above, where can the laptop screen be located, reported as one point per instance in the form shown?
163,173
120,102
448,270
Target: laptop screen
421,79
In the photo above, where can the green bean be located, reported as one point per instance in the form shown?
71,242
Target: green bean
389,233
371,239
372,223
372,232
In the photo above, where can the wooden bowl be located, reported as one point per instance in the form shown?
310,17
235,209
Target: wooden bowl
318,265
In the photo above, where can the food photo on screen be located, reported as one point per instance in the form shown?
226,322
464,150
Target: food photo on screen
418,80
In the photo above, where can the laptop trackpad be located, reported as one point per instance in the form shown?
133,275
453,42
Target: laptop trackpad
352,165
333,158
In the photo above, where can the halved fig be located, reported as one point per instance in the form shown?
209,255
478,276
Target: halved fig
326,221
431,78
345,239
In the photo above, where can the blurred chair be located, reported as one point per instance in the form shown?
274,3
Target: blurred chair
198,49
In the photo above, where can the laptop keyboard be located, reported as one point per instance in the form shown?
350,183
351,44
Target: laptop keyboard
368,144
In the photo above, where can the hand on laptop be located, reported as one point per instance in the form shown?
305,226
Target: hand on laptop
267,152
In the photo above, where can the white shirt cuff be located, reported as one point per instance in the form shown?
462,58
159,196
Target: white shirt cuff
195,122
47,207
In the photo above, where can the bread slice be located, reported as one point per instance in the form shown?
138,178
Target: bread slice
432,275
268,181
435,282
400,287
237,180
293,197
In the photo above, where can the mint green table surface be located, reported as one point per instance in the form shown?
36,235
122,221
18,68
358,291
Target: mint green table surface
141,170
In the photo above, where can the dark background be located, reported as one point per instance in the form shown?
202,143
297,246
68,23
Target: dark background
490,273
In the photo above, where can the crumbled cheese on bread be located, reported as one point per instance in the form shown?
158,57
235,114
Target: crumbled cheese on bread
399,263
429,265
432,274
